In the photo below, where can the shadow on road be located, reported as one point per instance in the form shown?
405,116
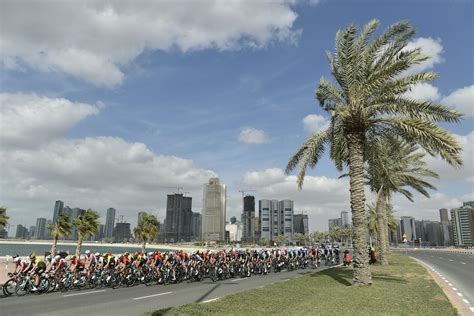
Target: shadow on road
343,276
199,300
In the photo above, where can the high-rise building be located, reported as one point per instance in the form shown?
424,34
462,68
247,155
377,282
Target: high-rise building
196,223
468,204
462,225
276,218
58,208
235,231
100,232
109,223
73,214
139,217
345,219
40,231
334,223
407,227
122,232
233,220
31,232
443,215
248,218
21,232
214,210
178,218
300,224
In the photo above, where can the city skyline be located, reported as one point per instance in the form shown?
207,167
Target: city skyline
131,131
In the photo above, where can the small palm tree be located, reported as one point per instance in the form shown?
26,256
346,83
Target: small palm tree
367,102
281,240
147,230
86,225
298,237
396,168
62,228
3,217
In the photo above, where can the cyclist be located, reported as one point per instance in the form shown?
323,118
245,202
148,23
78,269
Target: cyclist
38,267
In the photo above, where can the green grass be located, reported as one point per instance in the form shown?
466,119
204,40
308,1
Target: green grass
402,288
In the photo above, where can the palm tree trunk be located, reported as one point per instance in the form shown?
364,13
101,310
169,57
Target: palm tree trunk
79,246
387,238
362,275
144,246
380,210
54,246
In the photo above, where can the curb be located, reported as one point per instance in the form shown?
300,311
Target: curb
461,307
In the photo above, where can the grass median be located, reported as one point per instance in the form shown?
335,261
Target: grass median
402,288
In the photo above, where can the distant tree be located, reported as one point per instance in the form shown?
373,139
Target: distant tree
281,240
3,217
86,225
62,228
147,230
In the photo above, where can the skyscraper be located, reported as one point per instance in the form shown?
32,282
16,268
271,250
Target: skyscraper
178,218
122,232
463,225
407,227
300,224
334,223
214,210
109,223
345,219
443,215
196,224
248,218
139,215
73,214
40,230
276,218
21,232
58,208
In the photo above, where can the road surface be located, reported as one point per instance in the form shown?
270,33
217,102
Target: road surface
135,300
457,269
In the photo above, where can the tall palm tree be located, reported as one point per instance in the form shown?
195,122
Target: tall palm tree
62,228
147,228
86,225
396,168
368,101
3,217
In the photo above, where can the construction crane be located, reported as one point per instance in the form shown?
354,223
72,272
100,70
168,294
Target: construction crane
246,190
178,189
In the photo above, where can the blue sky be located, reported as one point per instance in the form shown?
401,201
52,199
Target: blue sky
193,97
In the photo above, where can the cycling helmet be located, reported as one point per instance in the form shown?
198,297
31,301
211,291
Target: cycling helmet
150,254
57,257
97,254
33,255
88,252
16,258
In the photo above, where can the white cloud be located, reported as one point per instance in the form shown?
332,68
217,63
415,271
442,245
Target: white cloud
461,99
95,172
429,47
423,92
94,40
30,120
314,123
252,136
466,172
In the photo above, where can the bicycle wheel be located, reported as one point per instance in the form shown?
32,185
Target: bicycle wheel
9,287
21,288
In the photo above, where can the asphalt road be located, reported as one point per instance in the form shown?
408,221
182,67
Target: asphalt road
135,300
457,269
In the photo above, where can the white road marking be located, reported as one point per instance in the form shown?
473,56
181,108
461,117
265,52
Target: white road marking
451,260
465,301
472,309
142,297
463,262
455,289
446,281
459,294
241,279
450,284
84,293
211,300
